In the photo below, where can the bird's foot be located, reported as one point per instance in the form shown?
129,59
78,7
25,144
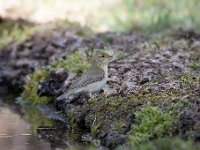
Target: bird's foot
92,96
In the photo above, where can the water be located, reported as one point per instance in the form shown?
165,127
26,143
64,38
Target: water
14,131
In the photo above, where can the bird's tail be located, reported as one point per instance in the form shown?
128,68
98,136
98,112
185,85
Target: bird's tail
65,97
62,97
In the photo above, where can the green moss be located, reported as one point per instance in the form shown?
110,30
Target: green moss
104,115
106,38
113,113
155,98
194,57
188,80
157,109
75,63
151,122
195,53
164,144
81,147
31,87
158,144
118,125
194,65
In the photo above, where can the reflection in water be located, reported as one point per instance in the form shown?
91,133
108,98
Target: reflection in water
15,134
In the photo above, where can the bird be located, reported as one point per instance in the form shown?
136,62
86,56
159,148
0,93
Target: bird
93,79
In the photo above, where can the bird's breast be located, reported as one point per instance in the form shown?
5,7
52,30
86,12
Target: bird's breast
96,86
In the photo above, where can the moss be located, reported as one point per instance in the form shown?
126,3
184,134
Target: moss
155,98
155,111
164,144
75,63
151,122
114,113
195,54
110,110
81,147
188,80
31,87
158,144
118,125
194,65
106,38
194,58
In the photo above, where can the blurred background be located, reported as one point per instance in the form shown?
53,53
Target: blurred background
103,15
150,16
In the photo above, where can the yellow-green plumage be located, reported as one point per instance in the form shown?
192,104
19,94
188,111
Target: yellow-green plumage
91,81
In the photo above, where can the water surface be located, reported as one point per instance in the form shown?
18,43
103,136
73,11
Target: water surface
14,130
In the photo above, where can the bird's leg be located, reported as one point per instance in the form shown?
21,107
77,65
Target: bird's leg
110,80
92,96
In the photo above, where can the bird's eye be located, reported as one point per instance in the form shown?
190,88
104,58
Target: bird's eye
103,56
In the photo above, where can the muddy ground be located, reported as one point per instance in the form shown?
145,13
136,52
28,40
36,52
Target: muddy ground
159,75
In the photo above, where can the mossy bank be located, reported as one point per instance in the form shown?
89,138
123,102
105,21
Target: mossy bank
158,106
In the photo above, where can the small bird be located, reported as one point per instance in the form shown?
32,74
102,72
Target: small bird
93,80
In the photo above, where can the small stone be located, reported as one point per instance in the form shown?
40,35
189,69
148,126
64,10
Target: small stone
52,86
145,80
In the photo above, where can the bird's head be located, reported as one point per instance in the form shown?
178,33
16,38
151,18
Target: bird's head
103,57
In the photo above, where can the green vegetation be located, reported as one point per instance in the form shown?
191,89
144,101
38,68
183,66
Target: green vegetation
30,89
14,31
156,15
18,31
150,15
151,122
158,144
113,113
194,65
76,62
163,144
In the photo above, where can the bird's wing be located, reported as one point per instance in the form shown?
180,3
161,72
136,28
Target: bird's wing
89,77
85,80
93,74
